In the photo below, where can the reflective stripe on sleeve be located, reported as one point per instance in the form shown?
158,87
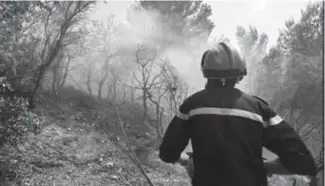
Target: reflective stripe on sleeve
182,115
274,121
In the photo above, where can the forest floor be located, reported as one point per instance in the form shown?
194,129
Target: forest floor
66,154
73,148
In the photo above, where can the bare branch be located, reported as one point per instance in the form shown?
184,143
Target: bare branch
66,72
46,36
136,79
310,129
153,81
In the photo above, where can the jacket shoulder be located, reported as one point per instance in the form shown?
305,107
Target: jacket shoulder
261,100
194,95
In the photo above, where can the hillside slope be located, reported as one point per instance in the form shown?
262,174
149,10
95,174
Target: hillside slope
68,156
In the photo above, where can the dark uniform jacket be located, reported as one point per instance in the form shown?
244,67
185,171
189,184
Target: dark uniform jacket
228,130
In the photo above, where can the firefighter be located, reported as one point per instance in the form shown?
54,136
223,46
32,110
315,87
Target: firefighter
228,129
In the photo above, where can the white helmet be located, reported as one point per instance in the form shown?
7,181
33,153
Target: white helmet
223,62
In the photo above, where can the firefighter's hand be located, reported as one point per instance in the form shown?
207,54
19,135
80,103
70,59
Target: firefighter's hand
190,167
183,159
275,167
268,174
186,161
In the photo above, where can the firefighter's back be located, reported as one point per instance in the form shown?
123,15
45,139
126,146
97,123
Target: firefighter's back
228,129
226,132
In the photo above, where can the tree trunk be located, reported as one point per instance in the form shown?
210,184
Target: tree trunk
65,75
102,81
114,91
54,79
100,88
89,85
109,92
56,74
144,102
132,97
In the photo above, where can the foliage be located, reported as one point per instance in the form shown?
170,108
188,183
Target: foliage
183,20
253,46
305,37
290,75
18,45
15,122
34,36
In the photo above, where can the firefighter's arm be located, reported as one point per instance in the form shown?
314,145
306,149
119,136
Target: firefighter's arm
280,138
176,136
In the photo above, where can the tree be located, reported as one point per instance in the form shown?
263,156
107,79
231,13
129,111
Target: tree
55,71
17,49
105,33
145,76
306,36
104,48
253,46
88,76
302,65
112,84
177,89
178,20
63,66
248,39
295,63
33,34
156,98
58,19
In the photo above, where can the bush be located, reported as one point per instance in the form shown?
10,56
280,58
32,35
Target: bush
16,121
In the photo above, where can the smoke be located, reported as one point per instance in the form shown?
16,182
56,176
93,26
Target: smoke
253,51
134,28
144,27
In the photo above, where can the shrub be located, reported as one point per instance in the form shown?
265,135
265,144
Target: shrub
15,122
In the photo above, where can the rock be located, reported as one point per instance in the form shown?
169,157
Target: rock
110,164
114,177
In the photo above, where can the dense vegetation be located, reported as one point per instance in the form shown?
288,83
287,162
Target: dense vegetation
64,77
290,75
